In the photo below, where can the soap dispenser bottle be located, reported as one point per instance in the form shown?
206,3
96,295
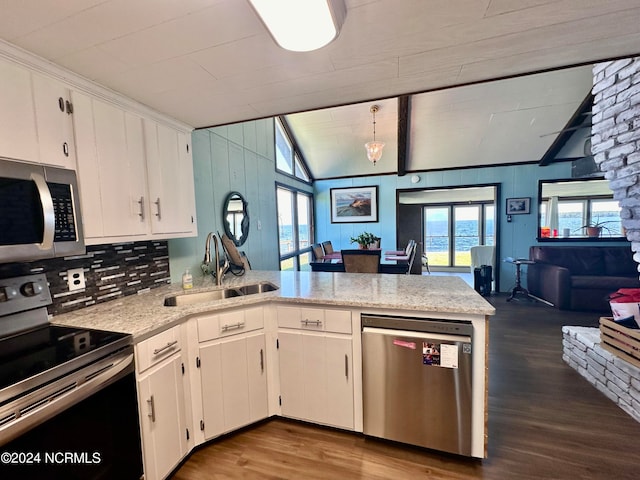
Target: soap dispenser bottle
187,280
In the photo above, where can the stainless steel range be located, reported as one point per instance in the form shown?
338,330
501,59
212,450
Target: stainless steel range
67,395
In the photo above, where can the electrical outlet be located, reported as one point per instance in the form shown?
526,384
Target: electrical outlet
75,279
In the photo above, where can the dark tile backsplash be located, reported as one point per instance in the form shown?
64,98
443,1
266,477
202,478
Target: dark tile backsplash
111,272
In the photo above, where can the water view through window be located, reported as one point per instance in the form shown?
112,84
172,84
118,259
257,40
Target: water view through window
451,231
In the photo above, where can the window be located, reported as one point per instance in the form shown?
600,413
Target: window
451,230
568,206
295,228
575,213
288,160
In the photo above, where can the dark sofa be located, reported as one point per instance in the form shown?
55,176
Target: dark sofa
580,278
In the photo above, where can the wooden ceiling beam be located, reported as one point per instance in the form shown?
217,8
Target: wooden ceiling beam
404,129
569,129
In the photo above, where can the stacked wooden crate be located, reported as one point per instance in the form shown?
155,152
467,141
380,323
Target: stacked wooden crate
621,341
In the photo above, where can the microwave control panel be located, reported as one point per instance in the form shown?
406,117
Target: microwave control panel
65,226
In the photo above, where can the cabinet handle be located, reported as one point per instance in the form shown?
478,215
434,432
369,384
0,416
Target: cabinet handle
141,203
65,149
69,107
157,202
261,360
307,322
61,104
233,326
152,412
346,366
166,347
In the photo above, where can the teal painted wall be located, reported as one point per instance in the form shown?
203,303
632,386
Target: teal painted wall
239,157
515,181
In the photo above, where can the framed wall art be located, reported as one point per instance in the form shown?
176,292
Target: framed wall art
518,206
354,204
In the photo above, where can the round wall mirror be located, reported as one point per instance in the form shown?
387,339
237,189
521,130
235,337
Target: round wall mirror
235,218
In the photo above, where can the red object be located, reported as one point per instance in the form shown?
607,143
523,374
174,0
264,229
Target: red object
555,232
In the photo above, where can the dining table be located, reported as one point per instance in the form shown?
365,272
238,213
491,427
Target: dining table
332,262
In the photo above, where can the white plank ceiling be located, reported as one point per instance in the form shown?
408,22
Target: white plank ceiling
211,62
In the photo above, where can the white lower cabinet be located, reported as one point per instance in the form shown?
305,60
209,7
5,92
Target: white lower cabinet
316,366
234,383
232,370
221,371
161,400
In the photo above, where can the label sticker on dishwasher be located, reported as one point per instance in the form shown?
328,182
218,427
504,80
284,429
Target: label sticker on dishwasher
402,343
440,355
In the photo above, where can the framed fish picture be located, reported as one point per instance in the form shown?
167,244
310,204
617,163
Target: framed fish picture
354,205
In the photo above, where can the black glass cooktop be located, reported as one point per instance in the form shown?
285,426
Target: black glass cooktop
27,354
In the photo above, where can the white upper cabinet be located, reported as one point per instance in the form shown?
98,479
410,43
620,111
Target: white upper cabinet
135,170
116,149
54,110
111,169
170,174
18,134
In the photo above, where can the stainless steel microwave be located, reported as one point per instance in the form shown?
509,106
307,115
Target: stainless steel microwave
39,212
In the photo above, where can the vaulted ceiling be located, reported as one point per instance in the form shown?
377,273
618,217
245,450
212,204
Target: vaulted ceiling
211,62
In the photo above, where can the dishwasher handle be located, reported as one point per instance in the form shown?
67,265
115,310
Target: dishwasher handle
420,335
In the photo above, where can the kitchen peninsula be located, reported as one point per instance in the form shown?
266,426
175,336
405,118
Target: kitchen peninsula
312,320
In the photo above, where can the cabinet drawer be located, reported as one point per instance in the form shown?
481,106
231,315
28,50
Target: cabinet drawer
163,345
338,321
318,319
230,323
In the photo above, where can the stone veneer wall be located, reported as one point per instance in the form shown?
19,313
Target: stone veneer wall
111,271
616,378
615,137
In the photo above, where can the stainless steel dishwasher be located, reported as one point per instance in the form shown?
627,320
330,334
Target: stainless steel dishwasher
417,381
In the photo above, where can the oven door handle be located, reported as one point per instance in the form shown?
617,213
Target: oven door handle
35,408
47,211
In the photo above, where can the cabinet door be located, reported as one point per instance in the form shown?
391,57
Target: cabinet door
339,381
53,119
87,166
120,152
211,382
257,373
291,374
162,418
170,174
316,378
18,135
235,384
314,365
111,169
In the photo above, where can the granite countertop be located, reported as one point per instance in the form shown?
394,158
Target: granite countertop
144,314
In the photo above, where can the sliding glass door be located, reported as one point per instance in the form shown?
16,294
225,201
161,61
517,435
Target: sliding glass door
452,229
295,228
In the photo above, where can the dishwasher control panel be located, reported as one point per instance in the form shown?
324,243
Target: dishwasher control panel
416,324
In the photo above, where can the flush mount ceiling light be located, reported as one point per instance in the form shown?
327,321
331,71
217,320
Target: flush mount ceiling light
374,149
301,25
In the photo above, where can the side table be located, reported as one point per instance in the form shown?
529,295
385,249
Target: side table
518,262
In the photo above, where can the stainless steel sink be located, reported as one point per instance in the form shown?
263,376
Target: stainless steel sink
191,298
257,288
212,295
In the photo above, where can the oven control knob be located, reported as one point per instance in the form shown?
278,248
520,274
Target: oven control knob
31,289
7,293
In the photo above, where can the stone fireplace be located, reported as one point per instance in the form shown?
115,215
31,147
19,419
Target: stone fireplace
615,137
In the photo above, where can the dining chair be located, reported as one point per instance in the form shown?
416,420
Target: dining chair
317,251
327,247
361,261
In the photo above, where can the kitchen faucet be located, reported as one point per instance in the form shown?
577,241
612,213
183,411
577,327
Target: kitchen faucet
218,271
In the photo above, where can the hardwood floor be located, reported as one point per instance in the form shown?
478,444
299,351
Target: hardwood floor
545,422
